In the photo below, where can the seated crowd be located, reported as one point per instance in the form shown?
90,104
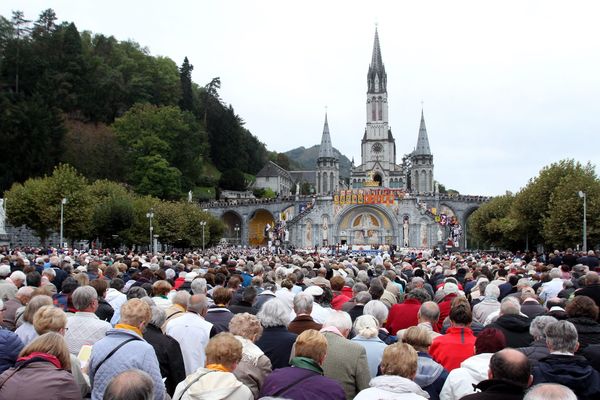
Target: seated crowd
239,324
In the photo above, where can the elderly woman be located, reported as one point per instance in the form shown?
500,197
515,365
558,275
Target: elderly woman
304,379
216,380
127,350
276,341
399,368
41,371
53,319
26,331
161,290
582,312
255,365
430,375
366,329
378,309
538,348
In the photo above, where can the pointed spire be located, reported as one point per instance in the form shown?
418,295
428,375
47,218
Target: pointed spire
326,149
376,78
422,141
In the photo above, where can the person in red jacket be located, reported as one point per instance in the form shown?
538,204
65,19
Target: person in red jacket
458,343
450,290
404,315
339,298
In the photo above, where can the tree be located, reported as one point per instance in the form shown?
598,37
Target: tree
36,204
562,224
45,24
493,225
533,202
113,212
153,176
232,179
33,132
21,28
187,98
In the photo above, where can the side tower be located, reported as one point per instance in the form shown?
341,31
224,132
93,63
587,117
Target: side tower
328,168
421,174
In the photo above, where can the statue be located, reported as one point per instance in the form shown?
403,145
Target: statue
190,196
2,218
424,241
439,235
405,232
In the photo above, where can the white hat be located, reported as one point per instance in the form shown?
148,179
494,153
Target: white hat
450,287
314,290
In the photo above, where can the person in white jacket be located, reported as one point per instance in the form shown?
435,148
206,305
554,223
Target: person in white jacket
399,368
474,369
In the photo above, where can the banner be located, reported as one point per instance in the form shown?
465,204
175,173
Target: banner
385,197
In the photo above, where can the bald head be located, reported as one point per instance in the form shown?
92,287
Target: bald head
429,312
550,391
198,304
131,384
591,278
511,365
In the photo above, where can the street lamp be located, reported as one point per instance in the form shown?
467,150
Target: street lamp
203,224
582,195
150,215
62,218
237,233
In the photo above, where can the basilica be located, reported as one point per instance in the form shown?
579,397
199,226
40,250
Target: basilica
385,203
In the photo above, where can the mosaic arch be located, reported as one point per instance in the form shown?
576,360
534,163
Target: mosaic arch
365,225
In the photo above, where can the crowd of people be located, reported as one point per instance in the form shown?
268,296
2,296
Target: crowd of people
234,323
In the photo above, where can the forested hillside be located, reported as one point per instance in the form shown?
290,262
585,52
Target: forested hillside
113,111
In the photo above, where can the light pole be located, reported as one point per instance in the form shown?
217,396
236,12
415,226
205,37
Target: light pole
582,195
237,233
203,224
62,219
150,215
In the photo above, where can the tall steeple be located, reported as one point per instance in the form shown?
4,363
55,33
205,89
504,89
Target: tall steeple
326,149
423,140
376,77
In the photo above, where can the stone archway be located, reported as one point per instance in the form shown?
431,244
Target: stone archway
256,227
366,225
232,220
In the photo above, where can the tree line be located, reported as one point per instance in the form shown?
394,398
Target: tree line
106,211
113,111
548,211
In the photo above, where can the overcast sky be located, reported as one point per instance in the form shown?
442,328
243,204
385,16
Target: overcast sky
508,86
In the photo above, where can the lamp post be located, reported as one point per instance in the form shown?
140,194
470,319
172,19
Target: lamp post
203,224
582,195
150,215
237,233
62,219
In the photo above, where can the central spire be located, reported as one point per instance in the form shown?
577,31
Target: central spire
376,78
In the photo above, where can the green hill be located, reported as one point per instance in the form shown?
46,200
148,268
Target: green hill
302,158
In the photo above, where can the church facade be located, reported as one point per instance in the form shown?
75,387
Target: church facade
385,203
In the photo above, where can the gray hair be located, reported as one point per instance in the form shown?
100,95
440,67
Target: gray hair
555,273
83,297
539,324
182,297
362,277
274,313
199,286
377,309
359,287
430,312
550,391
4,270
340,320
130,384
303,303
561,336
363,297
158,316
366,326
492,291
510,305
419,294
18,276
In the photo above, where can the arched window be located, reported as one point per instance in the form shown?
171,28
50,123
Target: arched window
380,109
374,109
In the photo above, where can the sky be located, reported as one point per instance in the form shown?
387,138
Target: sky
507,87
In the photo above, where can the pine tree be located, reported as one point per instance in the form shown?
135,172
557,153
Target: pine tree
185,74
